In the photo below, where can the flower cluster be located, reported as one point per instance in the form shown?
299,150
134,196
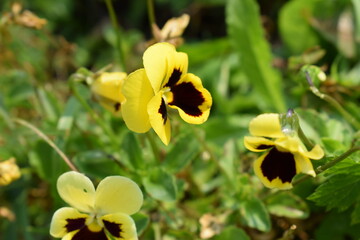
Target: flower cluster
101,214
284,157
163,82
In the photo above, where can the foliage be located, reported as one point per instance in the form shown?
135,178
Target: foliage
252,56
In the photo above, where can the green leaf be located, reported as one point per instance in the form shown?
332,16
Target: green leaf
67,119
341,190
96,163
356,5
160,184
336,226
255,214
355,215
39,159
133,152
227,161
181,154
48,104
141,222
287,204
294,25
247,36
232,233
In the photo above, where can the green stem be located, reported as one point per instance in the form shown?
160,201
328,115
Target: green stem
304,139
154,146
151,13
332,102
48,141
329,164
116,27
93,114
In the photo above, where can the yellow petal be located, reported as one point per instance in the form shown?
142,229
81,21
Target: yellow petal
118,194
266,125
66,220
110,105
191,99
304,165
120,226
77,190
316,153
276,169
109,85
163,65
138,92
289,144
159,119
257,144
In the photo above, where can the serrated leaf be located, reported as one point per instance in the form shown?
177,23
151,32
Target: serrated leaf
160,185
232,233
255,214
247,37
340,190
286,204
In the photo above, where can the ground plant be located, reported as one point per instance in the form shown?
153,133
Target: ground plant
164,120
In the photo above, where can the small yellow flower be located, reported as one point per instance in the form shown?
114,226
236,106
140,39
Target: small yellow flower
284,157
96,214
107,90
9,172
162,82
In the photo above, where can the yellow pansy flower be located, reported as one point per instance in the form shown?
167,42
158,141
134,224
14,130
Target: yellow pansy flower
107,90
162,82
96,214
284,157
9,172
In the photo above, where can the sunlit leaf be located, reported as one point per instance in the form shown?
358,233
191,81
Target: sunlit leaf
286,204
160,185
255,214
247,37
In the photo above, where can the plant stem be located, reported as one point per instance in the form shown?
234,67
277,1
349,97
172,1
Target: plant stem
332,102
92,113
329,164
116,27
48,141
154,147
151,13
304,139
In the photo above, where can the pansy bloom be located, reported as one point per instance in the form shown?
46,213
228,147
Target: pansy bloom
163,82
284,157
101,214
107,90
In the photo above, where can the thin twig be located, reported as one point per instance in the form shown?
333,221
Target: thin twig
48,141
332,102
